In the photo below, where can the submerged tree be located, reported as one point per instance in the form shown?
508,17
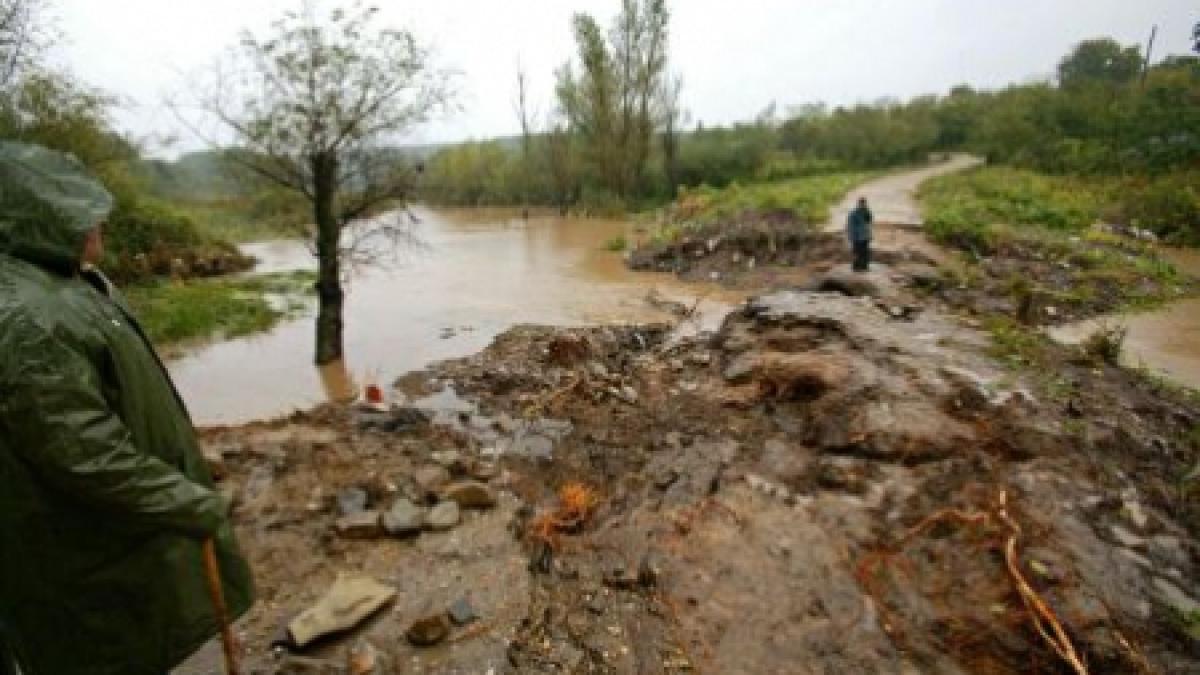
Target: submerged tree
312,108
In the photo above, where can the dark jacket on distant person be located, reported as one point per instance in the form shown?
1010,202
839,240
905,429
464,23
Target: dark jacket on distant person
858,224
105,499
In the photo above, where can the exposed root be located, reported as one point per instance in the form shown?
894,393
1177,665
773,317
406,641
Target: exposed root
1040,613
1043,618
539,407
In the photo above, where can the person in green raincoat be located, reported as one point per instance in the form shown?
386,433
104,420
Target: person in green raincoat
105,500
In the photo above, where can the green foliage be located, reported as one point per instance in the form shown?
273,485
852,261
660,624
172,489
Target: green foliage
173,312
1168,205
1101,60
808,199
886,134
617,244
1105,344
963,208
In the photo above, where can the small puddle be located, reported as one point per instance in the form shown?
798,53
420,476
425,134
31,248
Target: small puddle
476,274
1165,341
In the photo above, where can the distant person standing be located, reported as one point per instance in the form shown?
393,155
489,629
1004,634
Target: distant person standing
858,229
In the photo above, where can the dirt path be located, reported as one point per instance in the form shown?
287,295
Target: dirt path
893,197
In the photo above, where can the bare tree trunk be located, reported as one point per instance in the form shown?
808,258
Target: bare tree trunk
330,295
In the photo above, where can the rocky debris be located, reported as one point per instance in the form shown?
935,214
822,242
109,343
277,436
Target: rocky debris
429,630
215,459
430,480
404,518
470,494
444,516
352,500
361,525
847,282
392,420
1176,598
451,460
350,600
462,612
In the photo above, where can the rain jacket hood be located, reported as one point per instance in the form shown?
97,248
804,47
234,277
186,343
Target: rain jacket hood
105,499
48,204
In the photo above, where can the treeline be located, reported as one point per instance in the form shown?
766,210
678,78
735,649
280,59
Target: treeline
1103,115
145,235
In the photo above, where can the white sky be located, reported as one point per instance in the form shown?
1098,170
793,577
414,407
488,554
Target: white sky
735,56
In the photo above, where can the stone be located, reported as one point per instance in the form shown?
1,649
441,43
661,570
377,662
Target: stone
1126,538
349,601
849,283
361,525
462,612
484,471
404,518
1136,515
352,500
666,479
740,369
451,460
838,474
470,494
1175,597
216,463
431,479
362,659
650,570
444,516
428,631
700,359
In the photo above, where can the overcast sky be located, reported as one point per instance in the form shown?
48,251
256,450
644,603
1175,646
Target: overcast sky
735,57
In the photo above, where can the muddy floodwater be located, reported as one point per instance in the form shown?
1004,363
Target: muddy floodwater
475,274
1166,340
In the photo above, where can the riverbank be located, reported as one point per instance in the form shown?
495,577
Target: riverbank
840,473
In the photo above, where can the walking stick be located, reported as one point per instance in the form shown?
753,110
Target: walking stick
213,572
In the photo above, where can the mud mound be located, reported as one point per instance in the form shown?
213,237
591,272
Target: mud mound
813,488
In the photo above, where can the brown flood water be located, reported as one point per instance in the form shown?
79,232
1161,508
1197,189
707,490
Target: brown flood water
1166,340
477,274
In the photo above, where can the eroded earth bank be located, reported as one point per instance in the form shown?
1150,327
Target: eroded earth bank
841,479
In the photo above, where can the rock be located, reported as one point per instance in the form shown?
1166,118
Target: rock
352,500
362,659
740,370
451,460
1126,538
428,631
444,516
484,471
534,445
461,612
470,494
362,525
628,394
1136,515
431,479
839,474
1170,549
853,284
650,570
350,600
598,370
1175,597
404,518
216,463
700,359
666,479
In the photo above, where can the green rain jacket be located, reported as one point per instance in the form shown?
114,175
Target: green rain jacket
105,499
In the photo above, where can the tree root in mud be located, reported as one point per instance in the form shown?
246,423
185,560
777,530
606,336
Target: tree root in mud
1045,621
576,502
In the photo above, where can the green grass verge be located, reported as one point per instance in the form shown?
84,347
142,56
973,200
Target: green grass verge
808,198
174,312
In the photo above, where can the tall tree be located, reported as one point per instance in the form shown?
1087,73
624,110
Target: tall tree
672,119
22,37
610,103
1101,60
313,106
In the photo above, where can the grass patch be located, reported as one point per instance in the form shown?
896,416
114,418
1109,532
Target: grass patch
973,209
174,312
617,244
807,198
245,220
